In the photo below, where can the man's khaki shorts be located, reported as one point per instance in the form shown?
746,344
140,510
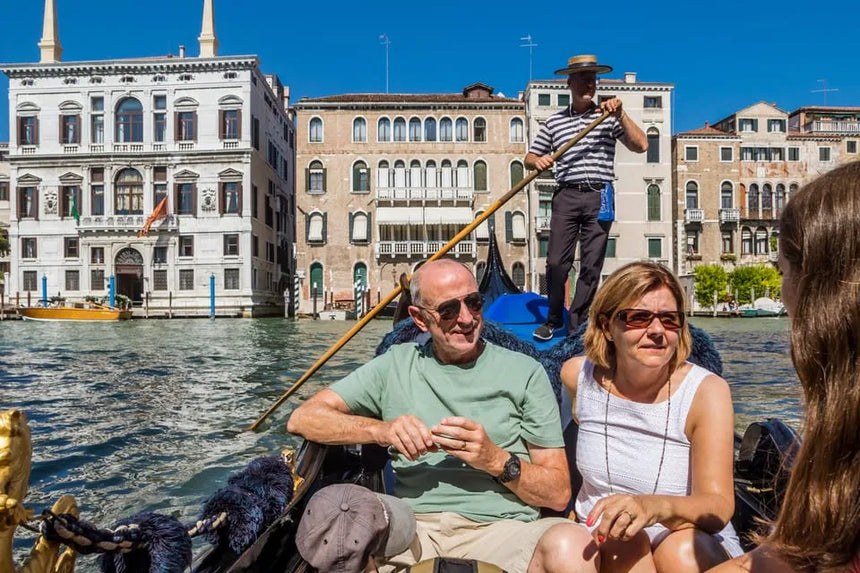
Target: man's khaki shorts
508,543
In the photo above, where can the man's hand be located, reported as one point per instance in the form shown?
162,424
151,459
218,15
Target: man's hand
408,435
467,440
539,162
613,106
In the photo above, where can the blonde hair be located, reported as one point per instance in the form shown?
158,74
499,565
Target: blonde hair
624,287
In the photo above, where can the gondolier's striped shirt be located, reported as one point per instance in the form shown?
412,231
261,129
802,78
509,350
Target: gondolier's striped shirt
592,159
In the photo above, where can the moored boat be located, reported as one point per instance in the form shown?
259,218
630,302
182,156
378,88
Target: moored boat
74,311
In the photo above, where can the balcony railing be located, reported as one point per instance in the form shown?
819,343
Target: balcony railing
424,194
97,148
832,127
694,215
125,223
542,224
730,215
70,149
422,249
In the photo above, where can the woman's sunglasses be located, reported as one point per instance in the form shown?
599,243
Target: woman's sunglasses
638,318
450,309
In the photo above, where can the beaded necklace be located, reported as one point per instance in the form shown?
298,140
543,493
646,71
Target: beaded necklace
606,436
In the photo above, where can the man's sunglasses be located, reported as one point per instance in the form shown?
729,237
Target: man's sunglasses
450,309
639,318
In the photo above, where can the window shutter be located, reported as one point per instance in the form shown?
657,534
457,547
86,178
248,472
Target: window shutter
239,125
36,203
176,198
755,124
325,228
222,200
239,202
194,199
18,194
62,135
221,127
194,126
79,205
509,226
307,227
20,124
176,126
36,131
325,171
307,179
369,228
78,128
351,220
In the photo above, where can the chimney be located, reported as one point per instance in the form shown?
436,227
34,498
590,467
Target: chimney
207,39
181,51
49,47
629,77
706,125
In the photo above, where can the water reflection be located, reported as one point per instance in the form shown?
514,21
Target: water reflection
148,415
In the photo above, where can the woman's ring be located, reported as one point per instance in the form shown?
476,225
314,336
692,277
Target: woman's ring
632,516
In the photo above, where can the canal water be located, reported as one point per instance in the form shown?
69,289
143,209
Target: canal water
149,415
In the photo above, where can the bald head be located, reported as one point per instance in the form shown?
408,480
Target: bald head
436,275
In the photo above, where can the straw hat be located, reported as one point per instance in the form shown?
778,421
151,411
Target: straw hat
585,63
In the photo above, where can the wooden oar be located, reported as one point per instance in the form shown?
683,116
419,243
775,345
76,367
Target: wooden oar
441,252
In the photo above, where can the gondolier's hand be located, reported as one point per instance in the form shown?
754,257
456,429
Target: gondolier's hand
613,106
408,434
621,516
467,440
541,162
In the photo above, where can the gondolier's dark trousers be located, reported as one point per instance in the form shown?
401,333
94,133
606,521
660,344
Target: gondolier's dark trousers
574,219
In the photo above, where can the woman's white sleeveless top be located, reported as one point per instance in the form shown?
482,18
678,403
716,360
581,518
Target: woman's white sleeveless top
634,432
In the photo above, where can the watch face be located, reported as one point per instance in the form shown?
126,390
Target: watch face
512,469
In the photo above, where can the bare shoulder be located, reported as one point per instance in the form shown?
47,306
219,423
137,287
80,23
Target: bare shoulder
712,406
713,388
570,372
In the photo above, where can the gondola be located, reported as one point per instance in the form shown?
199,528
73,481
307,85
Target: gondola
763,454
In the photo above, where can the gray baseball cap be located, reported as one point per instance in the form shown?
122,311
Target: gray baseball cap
345,523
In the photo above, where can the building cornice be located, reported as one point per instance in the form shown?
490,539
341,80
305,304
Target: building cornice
130,66
309,105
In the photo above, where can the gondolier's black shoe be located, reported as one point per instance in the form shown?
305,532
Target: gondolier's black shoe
545,331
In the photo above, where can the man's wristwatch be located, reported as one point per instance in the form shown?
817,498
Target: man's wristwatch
511,471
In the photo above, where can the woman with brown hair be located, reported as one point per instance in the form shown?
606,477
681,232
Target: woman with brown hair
818,528
655,440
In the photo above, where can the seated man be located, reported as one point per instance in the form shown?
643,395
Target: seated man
474,431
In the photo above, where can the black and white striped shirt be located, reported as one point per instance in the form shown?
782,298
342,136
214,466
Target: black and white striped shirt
592,159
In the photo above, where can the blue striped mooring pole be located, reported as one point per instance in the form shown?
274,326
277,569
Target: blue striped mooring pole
212,296
44,291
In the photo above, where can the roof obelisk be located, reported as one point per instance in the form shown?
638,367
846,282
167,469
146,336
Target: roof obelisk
208,41
49,46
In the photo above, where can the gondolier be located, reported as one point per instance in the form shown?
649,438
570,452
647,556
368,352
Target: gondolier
584,174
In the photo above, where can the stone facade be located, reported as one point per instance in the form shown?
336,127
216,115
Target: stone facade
5,192
384,180
643,222
108,140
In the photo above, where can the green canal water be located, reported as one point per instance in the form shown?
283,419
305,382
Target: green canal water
149,415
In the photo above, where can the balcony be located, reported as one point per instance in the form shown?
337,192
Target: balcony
97,148
125,224
833,127
70,149
455,194
127,147
542,224
27,150
422,249
694,215
730,215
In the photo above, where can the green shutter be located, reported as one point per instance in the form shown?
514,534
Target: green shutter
369,229
324,228
307,179
307,227
351,216
325,171
509,227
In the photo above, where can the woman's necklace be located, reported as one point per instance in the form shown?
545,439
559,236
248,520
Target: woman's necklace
606,436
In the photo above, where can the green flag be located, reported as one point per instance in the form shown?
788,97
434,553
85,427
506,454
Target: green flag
75,213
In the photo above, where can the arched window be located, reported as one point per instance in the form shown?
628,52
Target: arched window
516,130
480,269
430,129
746,241
316,227
692,198
480,176
446,129
654,207
792,189
129,121
316,287
761,241
360,177
752,200
482,231
518,275
414,129
515,227
780,198
462,129
653,155
316,177
464,175
727,194
359,228
359,275
399,129
767,199
415,174
129,192
315,130
383,129
359,130
383,175
480,129
517,173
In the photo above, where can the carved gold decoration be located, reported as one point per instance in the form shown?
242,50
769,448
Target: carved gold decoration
16,452
289,457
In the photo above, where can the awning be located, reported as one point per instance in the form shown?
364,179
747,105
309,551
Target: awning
448,215
399,215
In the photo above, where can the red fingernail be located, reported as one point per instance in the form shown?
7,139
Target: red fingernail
600,538
589,522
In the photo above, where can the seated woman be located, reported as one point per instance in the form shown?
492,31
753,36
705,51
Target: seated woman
818,528
655,432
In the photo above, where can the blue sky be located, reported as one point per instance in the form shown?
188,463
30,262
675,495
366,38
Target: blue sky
720,56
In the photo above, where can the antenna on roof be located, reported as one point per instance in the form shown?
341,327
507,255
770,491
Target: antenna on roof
383,39
824,89
530,45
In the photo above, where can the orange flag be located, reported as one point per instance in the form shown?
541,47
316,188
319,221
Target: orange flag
160,212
